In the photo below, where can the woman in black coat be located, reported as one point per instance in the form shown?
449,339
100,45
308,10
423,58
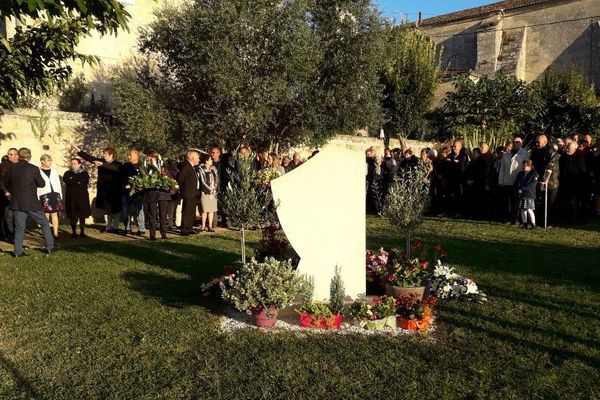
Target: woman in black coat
109,191
77,198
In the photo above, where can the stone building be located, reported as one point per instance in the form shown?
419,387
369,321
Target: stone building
521,37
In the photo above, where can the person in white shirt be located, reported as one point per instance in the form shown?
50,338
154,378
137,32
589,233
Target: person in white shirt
510,166
51,194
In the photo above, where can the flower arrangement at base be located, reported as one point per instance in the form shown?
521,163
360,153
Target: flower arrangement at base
413,313
402,275
379,314
156,181
320,315
447,284
262,289
376,263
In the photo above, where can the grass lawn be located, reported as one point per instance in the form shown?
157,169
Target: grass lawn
124,320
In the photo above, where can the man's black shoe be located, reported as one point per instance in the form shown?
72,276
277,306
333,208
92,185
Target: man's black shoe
19,255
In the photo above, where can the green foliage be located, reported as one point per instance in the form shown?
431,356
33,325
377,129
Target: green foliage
492,108
307,289
40,124
72,95
407,198
156,181
36,59
570,104
272,283
245,200
495,108
141,117
409,78
266,72
337,293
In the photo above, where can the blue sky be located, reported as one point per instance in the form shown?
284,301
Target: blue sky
430,8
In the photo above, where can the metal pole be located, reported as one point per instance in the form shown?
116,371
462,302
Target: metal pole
546,199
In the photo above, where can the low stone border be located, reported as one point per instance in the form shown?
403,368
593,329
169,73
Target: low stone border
235,321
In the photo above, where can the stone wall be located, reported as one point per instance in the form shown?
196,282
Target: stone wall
526,41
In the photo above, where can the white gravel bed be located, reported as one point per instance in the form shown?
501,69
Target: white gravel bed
235,321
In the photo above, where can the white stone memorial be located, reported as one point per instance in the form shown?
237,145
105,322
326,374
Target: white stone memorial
321,207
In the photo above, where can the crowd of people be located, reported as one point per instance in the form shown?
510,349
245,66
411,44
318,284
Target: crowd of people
509,183
27,190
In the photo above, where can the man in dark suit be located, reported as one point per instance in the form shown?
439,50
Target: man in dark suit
188,187
22,182
6,214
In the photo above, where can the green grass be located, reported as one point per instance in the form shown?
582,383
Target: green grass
126,321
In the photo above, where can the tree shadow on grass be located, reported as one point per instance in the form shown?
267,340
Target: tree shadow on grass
21,381
196,263
556,353
558,264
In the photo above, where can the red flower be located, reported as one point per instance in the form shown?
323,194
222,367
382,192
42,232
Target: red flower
419,245
390,278
425,264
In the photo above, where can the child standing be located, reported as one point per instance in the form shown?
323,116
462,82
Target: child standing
526,184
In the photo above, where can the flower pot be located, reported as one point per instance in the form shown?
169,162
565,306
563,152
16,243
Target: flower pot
415,325
263,317
309,321
397,291
378,324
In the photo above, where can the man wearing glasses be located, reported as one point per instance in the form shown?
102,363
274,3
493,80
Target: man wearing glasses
6,215
510,166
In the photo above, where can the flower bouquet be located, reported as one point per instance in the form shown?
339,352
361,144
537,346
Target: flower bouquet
447,284
379,314
414,314
266,175
157,181
376,263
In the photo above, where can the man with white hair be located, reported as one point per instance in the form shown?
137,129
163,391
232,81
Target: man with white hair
510,166
189,187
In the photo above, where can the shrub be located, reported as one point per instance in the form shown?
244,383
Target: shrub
72,96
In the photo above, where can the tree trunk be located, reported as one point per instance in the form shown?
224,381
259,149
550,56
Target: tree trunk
408,244
243,245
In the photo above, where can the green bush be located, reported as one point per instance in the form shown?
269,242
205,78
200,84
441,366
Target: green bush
72,96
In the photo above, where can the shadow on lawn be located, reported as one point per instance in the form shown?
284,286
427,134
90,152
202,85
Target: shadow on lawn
21,382
198,264
558,264
558,354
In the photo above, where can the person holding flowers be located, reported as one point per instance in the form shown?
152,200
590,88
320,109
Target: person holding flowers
156,194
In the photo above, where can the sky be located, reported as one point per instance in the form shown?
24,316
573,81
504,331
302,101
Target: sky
430,8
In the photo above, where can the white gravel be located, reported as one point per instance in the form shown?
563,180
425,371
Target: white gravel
235,321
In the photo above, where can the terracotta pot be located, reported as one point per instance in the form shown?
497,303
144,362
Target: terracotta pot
309,321
415,325
262,320
397,291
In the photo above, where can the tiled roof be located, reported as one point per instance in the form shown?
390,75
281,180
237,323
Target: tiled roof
481,11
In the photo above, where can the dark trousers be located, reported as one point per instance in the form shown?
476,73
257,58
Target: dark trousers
188,214
20,222
7,225
153,209
510,203
81,225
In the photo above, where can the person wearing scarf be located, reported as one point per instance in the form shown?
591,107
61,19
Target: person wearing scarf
77,198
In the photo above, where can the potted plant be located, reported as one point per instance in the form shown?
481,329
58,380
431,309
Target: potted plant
401,274
376,263
377,315
262,289
413,313
320,315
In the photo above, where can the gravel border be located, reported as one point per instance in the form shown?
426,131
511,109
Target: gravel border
235,321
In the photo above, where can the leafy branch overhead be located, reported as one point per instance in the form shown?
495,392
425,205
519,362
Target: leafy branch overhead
37,57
